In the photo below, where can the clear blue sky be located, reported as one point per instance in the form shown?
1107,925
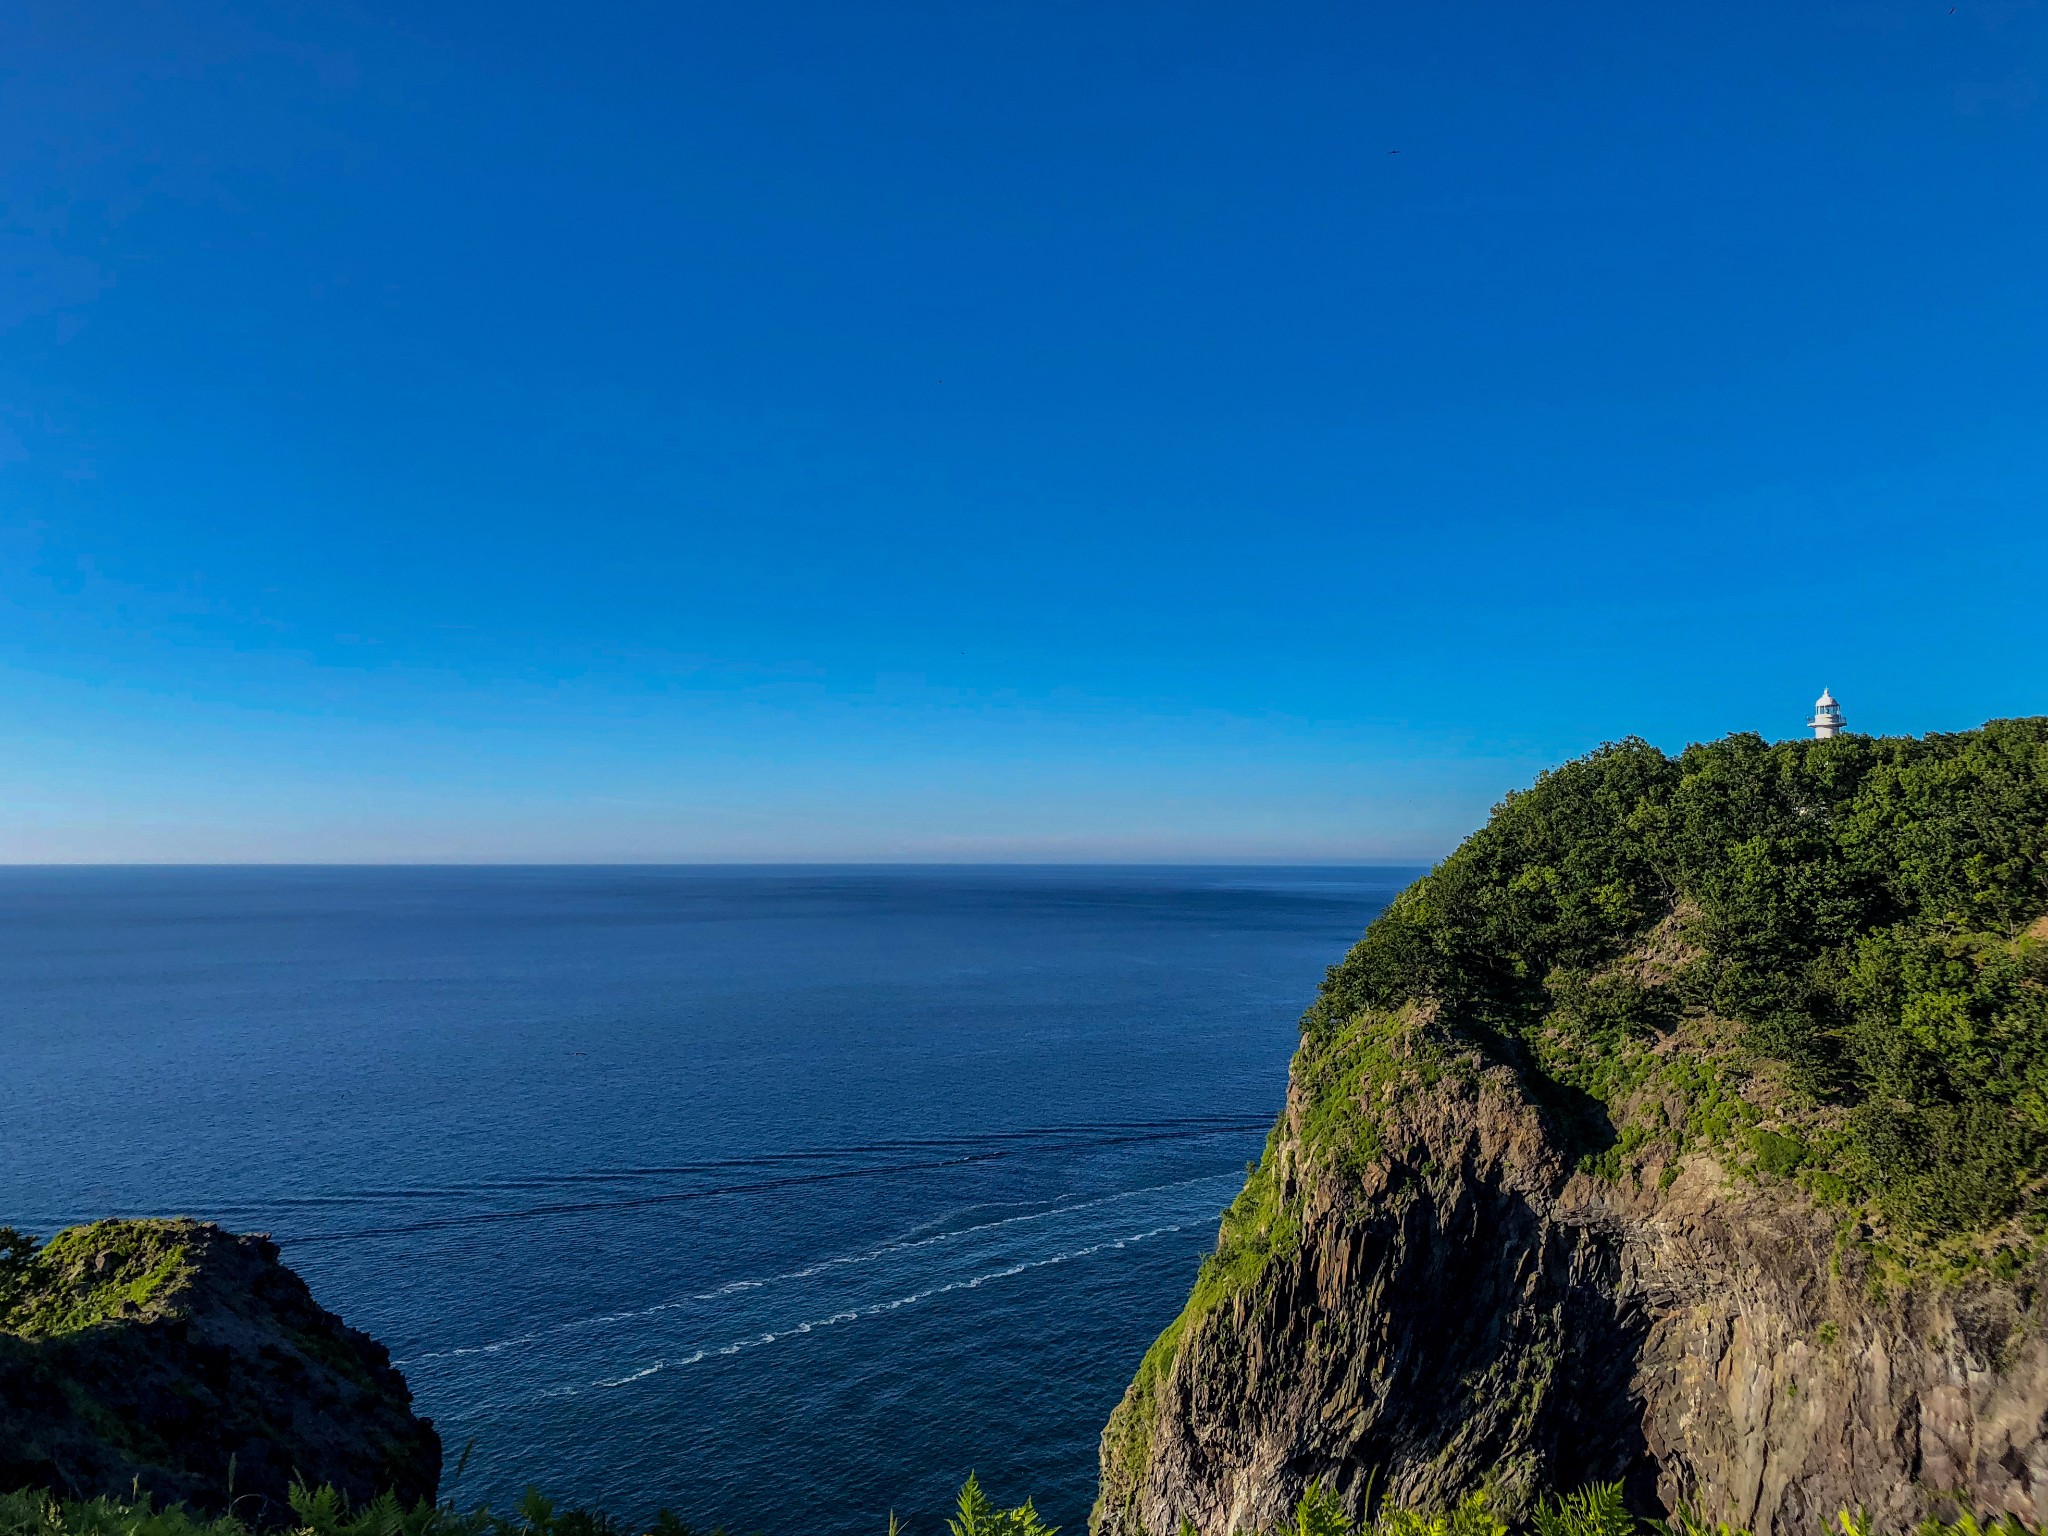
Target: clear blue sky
992,430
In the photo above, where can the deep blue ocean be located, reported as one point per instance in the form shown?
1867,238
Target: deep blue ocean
781,1197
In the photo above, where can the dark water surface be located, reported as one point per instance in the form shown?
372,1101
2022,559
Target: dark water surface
782,1197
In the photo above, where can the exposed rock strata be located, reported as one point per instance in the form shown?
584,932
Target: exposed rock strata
1464,1307
191,1348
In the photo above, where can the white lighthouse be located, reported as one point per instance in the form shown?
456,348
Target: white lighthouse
1827,720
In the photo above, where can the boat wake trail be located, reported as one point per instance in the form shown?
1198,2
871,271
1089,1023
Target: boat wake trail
614,1350
849,1315
883,1252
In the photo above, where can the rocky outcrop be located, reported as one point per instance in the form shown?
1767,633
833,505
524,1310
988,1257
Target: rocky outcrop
187,1361
1447,1302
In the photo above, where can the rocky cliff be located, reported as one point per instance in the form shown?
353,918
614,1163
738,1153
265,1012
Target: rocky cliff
1561,1197
187,1361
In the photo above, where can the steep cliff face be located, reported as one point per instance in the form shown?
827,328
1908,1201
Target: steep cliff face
159,1353
1466,1310
1581,1219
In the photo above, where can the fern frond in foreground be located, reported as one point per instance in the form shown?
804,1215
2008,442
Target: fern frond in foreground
324,1512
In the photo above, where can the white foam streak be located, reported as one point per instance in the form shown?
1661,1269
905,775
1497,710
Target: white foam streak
807,1272
856,1314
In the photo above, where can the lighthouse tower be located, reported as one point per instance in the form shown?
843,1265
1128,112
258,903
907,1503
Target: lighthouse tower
1827,720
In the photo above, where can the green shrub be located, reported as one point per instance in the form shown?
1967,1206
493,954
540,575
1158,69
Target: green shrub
1858,907
17,1264
1320,1512
975,1515
1597,1510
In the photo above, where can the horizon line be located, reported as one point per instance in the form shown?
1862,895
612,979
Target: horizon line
821,863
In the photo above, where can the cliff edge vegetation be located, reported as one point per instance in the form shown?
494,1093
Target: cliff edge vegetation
1688,1126
175,1359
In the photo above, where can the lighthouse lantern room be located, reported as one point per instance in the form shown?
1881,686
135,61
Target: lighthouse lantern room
1827,720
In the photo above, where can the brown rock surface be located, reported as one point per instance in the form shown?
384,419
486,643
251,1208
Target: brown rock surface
1465,1309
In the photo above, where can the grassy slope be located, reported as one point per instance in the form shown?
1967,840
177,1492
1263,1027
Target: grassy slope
94,1274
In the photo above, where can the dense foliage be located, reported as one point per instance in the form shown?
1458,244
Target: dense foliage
1847,935
1595,1511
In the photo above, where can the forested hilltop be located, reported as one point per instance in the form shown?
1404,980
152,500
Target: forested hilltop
1846,937
1688,1124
